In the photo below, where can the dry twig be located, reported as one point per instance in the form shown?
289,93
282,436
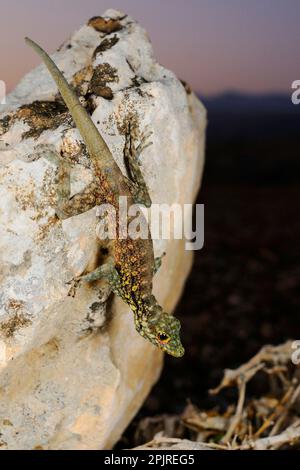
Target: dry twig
268,422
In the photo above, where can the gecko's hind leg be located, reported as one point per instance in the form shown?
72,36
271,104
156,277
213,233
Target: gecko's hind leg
131,158
81,202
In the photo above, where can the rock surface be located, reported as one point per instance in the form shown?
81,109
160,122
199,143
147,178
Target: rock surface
60,388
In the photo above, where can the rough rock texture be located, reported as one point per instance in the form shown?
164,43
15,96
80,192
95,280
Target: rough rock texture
60,388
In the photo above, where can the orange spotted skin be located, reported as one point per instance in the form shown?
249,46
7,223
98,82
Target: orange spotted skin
134,263
130,273
133,259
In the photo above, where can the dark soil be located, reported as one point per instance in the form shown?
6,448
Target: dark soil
243,292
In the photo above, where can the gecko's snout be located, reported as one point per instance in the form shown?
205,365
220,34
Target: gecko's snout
163,331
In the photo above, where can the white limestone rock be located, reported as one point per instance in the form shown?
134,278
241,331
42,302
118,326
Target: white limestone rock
60,389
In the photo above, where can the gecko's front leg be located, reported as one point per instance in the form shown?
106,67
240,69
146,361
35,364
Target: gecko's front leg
157,263
105,271
108,272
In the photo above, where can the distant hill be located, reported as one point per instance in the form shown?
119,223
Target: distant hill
235,102
252,139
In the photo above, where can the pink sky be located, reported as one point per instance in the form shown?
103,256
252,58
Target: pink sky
215,45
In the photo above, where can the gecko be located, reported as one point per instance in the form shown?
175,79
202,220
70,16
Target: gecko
129,269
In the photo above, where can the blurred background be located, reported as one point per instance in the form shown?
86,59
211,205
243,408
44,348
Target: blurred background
241,58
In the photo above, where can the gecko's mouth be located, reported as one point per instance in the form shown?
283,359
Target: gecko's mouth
179,352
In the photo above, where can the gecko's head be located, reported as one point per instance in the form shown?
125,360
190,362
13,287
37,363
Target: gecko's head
162,330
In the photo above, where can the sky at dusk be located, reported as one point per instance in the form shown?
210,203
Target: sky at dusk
215,45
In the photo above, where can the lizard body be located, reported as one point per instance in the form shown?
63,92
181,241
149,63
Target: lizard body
131,265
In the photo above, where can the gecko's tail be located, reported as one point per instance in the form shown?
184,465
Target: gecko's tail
95,144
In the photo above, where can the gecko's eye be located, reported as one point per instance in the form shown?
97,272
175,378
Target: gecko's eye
163,338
